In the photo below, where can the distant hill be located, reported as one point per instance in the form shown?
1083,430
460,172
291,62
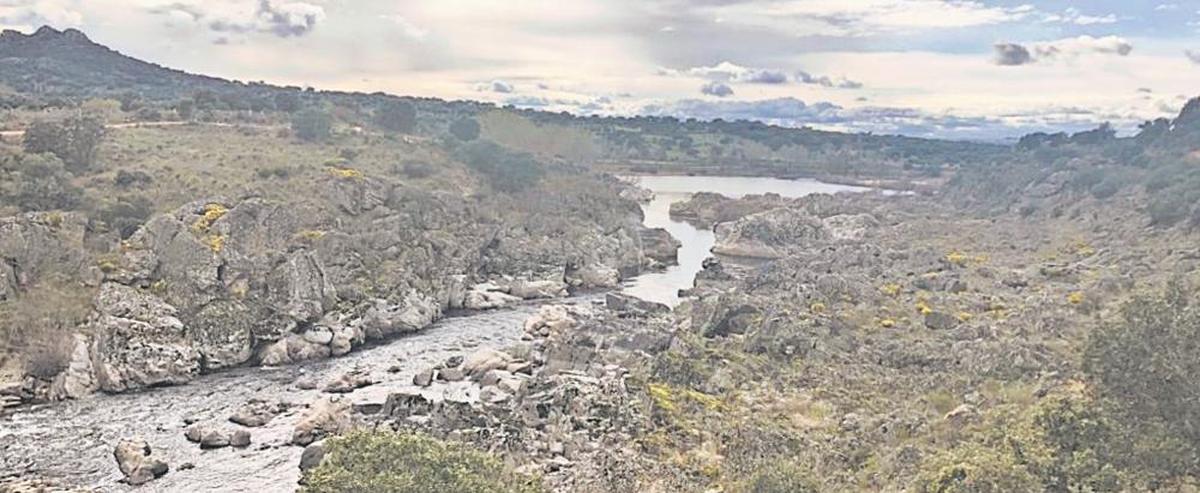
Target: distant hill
61,68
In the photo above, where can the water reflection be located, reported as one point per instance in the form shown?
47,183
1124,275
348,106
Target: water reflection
663,287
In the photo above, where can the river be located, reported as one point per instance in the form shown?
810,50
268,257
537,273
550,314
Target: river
696,244
73,441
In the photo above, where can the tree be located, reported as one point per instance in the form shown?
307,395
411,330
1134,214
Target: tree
74,140
506,170
465,129
367,461
287,101
397,116
37,182
312,125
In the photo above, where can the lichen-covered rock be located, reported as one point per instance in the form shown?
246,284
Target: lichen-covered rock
35,243
770,234
324,418
139,342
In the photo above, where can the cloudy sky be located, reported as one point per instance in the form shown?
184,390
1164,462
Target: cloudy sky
982,69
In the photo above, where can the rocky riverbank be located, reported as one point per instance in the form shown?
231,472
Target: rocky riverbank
220,283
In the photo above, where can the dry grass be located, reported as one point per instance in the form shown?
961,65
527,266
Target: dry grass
36,328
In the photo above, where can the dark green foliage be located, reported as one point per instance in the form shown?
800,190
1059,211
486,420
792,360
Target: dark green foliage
312,125
1146,366
74,140
465,129
778,478
367,462
124,215
37,182
505,170
397,116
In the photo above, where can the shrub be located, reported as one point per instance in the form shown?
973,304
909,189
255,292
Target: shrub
38,325
506,170
37,182
1145,366
397,116
125,214
375,461
778,478
465,129
74,140
312,125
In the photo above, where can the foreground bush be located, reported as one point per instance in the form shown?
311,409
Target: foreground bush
367,461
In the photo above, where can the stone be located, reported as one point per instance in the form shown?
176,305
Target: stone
424,378
211,439
493,395
348,382
940,321
485,360
451,374
240,439
312,456
528,290
323,418
135,462
256,413
139,341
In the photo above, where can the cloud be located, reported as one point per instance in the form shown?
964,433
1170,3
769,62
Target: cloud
1073,16
792,112
1013,54
824,80
278,18
410,30
732,72
27,16
1193,55
497,86
717,89
862,17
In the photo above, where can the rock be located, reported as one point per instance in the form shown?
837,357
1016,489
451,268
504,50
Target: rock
256,413
306,383
292,349
348,382
962,414
79,378
139,341
493,395
659,245
626,303
194,434
770,235
240,439
550,319
849,227
424,378
211,439
453,361
312,456
321,336
485,360
528,290
940,321
487,297
451,374
595,275
135,462
324,417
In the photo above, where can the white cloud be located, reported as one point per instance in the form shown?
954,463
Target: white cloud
732,72
410,30
1193,55
865,17
1074,16
29,15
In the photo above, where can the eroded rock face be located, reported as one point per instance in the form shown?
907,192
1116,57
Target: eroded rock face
770,234
139,341
34,243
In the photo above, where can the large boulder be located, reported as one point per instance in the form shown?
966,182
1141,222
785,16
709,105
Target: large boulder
323,418
771,234
139,341
34,243
135,462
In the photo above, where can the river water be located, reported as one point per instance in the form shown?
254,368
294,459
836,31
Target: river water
73,441
663,287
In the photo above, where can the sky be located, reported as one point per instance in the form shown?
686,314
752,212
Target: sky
959,69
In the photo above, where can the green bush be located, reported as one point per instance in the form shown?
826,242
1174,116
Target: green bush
312,125
375,461
397,116
37,182
1145,365
74,140
778,478
465,129
505,170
